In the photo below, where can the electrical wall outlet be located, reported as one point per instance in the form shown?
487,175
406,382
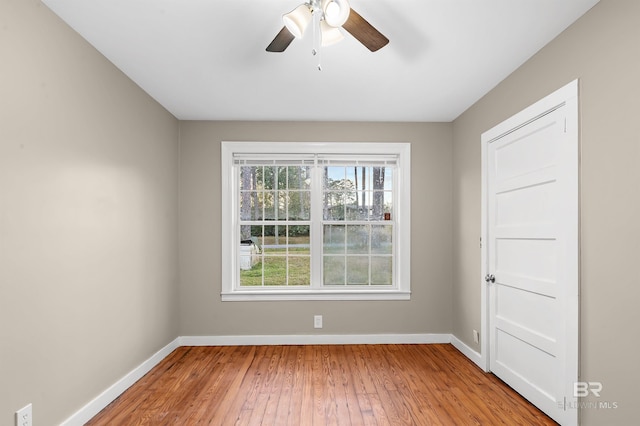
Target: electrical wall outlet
24,416
476,336
317,321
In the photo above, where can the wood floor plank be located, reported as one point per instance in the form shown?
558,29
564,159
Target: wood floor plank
382,385
346,380
297,386
318,381
271,388
287,368
414,382
319,385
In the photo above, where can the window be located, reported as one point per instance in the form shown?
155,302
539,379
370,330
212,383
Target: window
321,221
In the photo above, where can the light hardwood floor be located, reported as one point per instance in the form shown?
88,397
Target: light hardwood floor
319,385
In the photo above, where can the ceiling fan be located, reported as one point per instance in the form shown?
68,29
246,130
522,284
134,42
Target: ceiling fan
328,17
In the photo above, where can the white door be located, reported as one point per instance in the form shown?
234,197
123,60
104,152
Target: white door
532,253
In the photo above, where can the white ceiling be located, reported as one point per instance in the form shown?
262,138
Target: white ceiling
206,59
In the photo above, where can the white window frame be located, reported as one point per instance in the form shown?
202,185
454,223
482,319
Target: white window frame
231,290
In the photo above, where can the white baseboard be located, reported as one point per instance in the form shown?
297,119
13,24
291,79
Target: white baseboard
315,339
108,396
105,398
467,351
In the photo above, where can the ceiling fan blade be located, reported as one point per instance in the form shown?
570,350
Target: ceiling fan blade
364,32
281,41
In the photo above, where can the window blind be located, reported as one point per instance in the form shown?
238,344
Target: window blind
287,159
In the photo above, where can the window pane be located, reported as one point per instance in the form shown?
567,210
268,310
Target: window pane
334,178
275,270
381,270
245,205
379,177
251,207
334,239
381,239
349,173
333,270
299,205
377,203
359,177
299,177
274,240
333,205
299,270
388,179
350,195
268,200
245,232
299,239
253,232
354,211
360,202
358,239
250,259
269,177
388,205
257,208
358,270
248,176
281,178
281,204
251,277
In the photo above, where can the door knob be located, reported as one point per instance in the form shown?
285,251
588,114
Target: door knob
490,278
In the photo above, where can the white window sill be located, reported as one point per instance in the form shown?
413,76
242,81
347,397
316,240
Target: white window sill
282,295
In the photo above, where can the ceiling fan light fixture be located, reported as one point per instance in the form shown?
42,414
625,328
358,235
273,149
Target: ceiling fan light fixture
336,12
328,17
330,35
297,20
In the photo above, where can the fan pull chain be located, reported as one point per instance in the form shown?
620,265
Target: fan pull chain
317,35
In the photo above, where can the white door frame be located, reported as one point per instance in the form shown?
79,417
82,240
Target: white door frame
565,96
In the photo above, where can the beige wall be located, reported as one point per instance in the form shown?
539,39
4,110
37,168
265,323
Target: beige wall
202,312
602,49
88,219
